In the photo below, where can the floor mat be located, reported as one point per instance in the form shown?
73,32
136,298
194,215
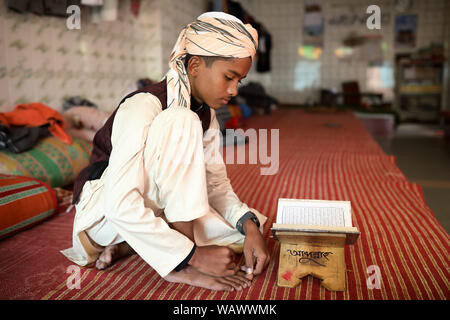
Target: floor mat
399,233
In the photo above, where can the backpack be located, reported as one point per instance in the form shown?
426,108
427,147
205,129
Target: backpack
19,139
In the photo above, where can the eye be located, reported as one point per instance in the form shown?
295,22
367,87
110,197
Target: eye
228,78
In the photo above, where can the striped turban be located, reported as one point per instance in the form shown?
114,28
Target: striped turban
214,34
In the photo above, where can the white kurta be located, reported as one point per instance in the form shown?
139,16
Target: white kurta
161,168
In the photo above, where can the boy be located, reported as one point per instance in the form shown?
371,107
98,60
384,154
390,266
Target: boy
157,185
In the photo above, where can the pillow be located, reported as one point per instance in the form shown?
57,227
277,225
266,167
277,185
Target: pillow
50,161
23,203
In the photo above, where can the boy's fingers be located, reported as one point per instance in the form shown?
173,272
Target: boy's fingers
259,266
249,263
261,262
267,261
248,272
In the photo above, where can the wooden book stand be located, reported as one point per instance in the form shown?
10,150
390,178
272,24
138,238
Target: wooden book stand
313,250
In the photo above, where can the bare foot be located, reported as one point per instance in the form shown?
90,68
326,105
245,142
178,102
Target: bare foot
112,254
193,277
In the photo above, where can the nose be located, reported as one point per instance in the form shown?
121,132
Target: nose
233,88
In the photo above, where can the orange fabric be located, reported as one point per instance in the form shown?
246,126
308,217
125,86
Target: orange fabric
37,114
24,202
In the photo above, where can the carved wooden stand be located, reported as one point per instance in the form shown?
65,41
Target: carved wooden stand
318,254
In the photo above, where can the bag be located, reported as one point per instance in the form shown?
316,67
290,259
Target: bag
20,139
246,110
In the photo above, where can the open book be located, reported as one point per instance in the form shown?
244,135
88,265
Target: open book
321,216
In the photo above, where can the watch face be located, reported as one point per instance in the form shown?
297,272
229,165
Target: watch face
255,220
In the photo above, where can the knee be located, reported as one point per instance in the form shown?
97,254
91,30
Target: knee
177,133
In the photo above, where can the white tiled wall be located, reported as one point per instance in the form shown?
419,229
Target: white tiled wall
176,15
41,60
295,79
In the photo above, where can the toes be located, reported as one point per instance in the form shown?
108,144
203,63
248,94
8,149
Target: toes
192,276
241,280
220,286
100,265
104,260
238,285
234,283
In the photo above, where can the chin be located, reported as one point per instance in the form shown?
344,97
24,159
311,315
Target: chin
215,105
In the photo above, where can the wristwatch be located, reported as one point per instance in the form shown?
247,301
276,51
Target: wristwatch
244,218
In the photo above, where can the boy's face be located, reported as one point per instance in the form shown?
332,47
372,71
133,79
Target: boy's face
216,84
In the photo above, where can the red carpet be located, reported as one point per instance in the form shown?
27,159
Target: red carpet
399,233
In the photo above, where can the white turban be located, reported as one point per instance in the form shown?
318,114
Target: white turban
214,34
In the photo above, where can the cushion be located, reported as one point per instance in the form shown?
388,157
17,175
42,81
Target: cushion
50,161
24,202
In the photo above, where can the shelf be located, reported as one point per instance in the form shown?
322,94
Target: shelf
420,90
419,87
420,94
420,62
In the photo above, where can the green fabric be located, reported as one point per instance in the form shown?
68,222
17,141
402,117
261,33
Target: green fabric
50,161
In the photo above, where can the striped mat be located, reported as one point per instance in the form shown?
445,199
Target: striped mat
322,156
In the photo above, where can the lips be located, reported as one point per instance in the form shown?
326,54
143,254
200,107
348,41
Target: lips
225,101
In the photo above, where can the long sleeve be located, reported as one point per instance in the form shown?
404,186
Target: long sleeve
125,182
220,192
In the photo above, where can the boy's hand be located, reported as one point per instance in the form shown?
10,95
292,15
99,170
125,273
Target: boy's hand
255,250
214,260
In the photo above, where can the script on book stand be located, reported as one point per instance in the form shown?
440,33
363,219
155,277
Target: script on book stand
313,235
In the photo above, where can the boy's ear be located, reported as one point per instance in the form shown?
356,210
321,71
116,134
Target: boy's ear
194,65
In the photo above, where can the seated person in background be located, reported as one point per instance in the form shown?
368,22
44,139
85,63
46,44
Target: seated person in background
161,188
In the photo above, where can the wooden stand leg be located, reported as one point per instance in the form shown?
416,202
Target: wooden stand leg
320,255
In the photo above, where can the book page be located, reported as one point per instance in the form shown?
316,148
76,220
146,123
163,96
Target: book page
314,212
